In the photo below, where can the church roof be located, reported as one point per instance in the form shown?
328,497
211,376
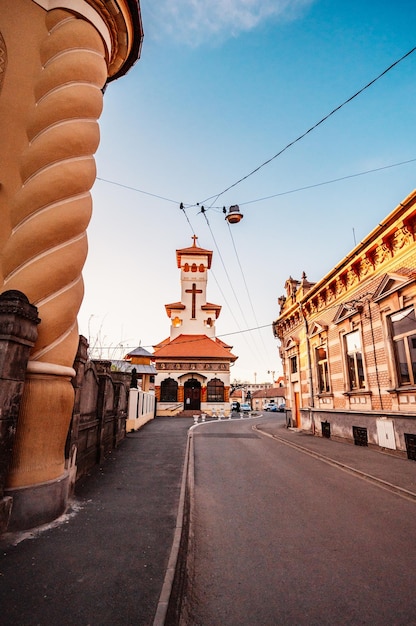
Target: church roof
126,366
174,306
192,251
222,343
193,346
212,307
139,352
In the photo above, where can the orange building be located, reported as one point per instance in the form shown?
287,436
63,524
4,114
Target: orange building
193,365
348,342
56,57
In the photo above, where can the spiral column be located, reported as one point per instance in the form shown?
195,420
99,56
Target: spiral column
45,209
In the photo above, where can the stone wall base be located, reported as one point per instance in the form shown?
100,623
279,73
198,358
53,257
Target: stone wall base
5,510
39,504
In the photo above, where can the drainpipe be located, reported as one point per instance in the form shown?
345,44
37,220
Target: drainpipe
308,351
374,353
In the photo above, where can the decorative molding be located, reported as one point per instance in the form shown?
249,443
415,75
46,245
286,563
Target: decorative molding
390,284
363,265
90,13
3,60
198,366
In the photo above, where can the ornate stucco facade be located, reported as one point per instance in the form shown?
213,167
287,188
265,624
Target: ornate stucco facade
56,57
348,342
193,365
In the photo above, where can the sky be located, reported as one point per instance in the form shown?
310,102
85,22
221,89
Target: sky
222,87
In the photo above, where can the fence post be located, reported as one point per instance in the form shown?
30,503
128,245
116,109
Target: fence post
18,333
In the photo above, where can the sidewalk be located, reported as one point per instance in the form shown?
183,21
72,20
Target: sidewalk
105,562
389,471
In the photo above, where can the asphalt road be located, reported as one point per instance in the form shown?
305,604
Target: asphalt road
281,538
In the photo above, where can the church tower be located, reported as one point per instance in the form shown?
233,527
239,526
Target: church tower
193,365
193,314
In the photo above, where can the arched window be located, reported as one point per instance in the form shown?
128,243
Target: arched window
215,390
168,390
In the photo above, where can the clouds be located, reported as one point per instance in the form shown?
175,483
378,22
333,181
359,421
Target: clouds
195,22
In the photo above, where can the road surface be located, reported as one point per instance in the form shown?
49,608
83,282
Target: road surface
282,538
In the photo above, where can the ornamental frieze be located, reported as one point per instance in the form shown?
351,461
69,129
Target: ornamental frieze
361,268
400,239
352,271
192,366
3,60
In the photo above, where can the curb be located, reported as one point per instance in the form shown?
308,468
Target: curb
383,484
181,527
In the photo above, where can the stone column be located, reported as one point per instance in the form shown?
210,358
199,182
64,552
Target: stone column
53,67
18,332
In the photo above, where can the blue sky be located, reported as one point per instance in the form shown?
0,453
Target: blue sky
221,87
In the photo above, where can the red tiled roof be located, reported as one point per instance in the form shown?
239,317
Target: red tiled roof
209,306
272,392
195,346
175,306
193,250
222,343
161,343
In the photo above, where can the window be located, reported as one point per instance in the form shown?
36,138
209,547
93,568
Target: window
293,364
168,390
355,365
322,369
215,390
403,326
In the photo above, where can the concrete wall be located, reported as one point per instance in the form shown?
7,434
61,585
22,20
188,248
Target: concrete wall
141,409
384,430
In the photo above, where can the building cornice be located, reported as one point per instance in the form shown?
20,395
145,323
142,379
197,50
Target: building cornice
119,24
390,238
396,231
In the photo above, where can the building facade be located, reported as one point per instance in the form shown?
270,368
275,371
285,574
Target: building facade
348,342
56,57
193,365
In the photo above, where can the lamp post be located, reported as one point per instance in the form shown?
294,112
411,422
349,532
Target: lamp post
272,372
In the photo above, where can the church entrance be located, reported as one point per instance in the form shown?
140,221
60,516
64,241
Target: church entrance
192,395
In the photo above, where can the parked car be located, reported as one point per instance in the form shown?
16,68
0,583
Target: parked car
245,407
282,407
235,406
270,407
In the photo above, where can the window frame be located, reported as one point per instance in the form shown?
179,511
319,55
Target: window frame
404,339
215,395
293,364
353,373
168,384
322,370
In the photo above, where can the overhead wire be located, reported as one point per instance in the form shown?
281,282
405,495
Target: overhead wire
182,208
147,193
259,167
246,286
275,195
312,128
256,347
321,184
228,277
236,332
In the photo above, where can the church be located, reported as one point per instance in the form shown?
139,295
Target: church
192,364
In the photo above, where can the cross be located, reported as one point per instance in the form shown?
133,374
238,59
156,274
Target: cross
194,237
193,291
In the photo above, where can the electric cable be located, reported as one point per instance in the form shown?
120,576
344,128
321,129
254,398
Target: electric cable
312,128
275,195
182,208
246,286
228,277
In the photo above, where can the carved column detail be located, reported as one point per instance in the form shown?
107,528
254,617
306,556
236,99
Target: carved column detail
47,247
